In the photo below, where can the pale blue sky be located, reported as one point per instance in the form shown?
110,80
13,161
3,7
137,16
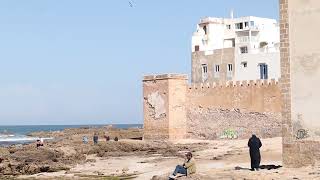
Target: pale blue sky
82,62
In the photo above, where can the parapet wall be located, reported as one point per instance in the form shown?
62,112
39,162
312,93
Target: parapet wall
174,110
164,111
241,108
249,96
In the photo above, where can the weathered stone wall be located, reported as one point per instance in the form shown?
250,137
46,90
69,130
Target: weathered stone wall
173,110
221,57
156,124
243,108
213,123
299,23
164,110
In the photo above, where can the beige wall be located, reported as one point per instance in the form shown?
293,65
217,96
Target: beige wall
164,110
221,57
177,108
172,110
155,108
245,108
304,20
299,23
249,96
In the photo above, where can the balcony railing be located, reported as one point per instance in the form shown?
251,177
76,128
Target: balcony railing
253,28
246,39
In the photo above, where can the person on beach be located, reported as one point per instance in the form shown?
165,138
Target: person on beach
254,144
116,139
188,167
95,138
85,140
106,136
41,141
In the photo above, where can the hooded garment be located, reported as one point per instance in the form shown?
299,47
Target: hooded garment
254,144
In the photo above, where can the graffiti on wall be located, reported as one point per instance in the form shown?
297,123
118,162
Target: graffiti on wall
229,134
302,134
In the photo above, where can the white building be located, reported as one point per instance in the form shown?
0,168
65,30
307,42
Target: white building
256,48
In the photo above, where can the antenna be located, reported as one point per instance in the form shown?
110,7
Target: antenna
231,14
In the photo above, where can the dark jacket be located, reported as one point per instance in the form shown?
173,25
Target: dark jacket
254,144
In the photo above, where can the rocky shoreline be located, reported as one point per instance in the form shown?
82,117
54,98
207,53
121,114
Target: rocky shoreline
66,150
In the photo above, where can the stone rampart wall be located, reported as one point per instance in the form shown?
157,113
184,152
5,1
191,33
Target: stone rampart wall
236,109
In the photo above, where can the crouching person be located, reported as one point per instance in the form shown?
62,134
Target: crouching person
188,167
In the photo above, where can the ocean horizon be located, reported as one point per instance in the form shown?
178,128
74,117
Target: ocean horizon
18,134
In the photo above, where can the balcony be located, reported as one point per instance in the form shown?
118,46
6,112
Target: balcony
264,50
246,39
248,28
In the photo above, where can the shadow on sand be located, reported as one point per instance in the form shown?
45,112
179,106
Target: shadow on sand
268,167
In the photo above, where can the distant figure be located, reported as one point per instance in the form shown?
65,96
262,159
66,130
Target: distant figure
39,143
188,167
85,139
95,138
116,139
106,136
254,144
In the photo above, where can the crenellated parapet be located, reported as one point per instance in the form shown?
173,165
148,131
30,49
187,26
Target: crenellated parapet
251,96
234,84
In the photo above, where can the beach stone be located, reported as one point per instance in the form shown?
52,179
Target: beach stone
31,169
5,169
4,152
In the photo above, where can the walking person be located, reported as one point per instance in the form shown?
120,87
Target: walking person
254,144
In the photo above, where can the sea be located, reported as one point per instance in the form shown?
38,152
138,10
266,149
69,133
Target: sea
16,135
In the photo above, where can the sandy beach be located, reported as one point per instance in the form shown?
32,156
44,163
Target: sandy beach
66,157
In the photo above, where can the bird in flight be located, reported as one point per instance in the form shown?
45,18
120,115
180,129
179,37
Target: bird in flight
131,3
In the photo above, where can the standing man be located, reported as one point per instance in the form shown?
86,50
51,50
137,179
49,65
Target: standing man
254,144
95,138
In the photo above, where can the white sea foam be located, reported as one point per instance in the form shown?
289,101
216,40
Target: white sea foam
6,135
20,138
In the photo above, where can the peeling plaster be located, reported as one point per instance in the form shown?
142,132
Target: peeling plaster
157,103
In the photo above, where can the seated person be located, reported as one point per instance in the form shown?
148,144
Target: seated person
41,141
38,143
188,167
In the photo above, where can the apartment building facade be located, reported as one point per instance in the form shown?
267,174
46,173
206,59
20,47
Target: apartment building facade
245,48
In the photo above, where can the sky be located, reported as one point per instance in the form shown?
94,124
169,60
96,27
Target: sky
82,62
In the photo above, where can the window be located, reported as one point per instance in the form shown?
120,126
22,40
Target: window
196,48
239,25
246,24
243,49
204,68
229,67
204,72
263,71
216,71
229,72
244,64
217,68
252,23
228,26
205,29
